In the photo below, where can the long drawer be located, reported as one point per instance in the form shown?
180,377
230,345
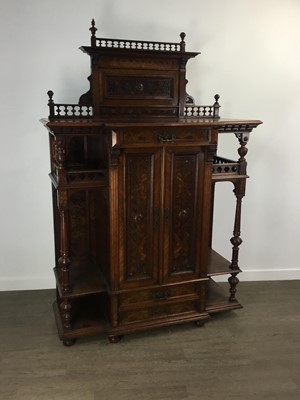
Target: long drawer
161,135
159,311
160,294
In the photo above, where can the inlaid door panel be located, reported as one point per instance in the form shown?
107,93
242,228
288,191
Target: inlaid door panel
140,216
184,175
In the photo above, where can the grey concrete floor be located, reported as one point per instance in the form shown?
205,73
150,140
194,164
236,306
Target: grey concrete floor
253,353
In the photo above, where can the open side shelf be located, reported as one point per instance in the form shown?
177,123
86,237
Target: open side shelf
217,299
218,265
88,317
85,279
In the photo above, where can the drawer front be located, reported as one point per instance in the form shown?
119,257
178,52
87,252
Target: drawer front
139,87
157,312
158,295
166,135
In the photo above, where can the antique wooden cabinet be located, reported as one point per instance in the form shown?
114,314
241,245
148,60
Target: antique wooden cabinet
133,170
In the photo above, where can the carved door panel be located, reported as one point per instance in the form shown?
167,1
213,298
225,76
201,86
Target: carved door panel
184,178
140,216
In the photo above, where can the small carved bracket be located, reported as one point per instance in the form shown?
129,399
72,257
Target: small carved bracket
60,153
115,156
243,138
211,152
62,200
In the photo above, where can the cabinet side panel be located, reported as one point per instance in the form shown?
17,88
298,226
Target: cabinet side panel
99,229
79,229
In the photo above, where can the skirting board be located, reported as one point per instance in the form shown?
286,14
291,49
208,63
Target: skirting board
26,283
37,283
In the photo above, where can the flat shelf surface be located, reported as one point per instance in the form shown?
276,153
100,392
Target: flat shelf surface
85,279
87,319
218,123
217,299
218,265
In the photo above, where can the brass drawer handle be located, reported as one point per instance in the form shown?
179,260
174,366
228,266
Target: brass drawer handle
166,137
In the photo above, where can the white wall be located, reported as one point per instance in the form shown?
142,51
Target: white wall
250,56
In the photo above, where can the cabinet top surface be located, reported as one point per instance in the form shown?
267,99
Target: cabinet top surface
181,122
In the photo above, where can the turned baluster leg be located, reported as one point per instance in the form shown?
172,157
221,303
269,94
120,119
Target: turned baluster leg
62,203
64,260
236,241
239,191
65,307
233,281
64,264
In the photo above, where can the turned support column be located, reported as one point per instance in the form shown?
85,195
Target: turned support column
64,260
239,191
236,241
62,203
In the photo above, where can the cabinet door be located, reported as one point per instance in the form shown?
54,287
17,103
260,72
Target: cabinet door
140,183
184,188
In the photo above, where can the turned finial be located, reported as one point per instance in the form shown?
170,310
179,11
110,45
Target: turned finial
182,43
51,104
216,106
93,30
50,94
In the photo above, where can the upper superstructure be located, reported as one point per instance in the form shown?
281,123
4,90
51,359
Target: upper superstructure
133,79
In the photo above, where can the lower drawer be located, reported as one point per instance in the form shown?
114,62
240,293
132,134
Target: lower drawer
157,312
160,293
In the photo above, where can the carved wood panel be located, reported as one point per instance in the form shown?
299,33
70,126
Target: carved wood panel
141,215
184,176
138,87
88,215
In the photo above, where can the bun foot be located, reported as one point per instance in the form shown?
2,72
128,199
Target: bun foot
69,342
114,338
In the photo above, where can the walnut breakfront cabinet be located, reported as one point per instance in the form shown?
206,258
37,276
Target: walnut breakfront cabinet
133,169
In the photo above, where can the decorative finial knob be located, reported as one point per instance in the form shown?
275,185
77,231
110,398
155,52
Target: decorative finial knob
182,43
93,30
51,104
50,94
216,107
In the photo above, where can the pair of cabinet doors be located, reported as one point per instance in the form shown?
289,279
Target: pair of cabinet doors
163,216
